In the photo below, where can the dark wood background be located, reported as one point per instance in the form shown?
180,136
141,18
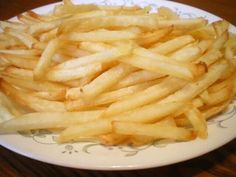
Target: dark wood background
220,163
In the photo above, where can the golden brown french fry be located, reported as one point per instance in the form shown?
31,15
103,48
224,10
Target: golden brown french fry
13,25
44,120
220,26
45,60
153,130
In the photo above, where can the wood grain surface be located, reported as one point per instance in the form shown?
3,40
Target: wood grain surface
219,163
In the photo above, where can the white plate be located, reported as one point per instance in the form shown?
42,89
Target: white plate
90,155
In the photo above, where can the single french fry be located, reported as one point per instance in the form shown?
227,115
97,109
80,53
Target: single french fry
34,85
104,82
136,78
44,120
62,75
100,36
51,95
45,60
153,130
172,45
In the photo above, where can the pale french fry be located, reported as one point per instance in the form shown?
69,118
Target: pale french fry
149,113
47,36
198,122
46,58
25,38
136,78
100,36
18,73
68,74
31,101
153,93
153,130
105,98
13,25
95,46
21,62
32,121
35,85
191,90
104,82
167,13
210,57
173,44
93,128
220,27
148,60
183,23
51,96
150,38
101,57
21,52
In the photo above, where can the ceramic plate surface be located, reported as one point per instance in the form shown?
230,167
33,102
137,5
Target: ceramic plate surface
40,145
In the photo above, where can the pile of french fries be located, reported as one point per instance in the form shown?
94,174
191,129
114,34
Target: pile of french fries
119,75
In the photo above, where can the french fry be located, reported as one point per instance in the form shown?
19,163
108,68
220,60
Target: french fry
198,122
68,74
153,93
45,60
153,130
93,128
105,98
149,113
31,101
35,85
21,62
100,36
104,82
136,78
173,44
101,57
46,120
191,90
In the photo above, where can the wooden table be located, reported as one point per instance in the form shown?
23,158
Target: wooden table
221,162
